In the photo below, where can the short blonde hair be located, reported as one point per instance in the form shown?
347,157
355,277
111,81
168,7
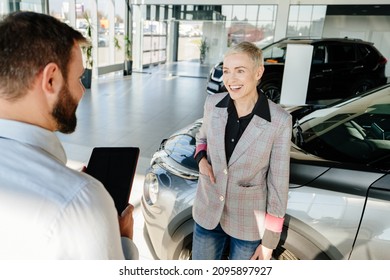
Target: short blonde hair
254,52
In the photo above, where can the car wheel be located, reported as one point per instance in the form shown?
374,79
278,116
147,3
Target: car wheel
283,254
186,253
361,87
272,90
279,253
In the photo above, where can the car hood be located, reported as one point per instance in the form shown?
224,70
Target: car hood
176,154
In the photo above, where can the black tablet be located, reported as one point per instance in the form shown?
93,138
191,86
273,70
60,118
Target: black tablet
115,167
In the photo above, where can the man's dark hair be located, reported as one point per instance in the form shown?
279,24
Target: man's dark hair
28,42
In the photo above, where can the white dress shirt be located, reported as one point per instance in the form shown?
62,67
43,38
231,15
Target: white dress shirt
47,210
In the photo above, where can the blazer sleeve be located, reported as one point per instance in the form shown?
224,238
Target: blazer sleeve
278,184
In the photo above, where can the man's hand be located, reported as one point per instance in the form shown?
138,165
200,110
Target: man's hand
206,169
262,253
126,222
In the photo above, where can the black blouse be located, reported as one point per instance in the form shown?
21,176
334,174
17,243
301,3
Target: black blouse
236,126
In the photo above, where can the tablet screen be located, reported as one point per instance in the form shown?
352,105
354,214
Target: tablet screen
115,167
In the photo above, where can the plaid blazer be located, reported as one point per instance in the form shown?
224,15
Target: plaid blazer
254,183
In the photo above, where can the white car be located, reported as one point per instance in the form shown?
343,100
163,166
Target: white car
339,199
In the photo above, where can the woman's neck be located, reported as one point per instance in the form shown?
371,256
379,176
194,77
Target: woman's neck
245,106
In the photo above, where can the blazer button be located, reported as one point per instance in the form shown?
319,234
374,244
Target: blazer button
221,198
225,171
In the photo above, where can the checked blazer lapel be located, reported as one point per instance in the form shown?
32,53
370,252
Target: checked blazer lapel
219,121
249,137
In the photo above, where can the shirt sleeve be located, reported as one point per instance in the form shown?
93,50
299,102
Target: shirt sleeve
88,227
130,250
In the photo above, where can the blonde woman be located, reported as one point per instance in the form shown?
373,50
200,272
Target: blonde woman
242,150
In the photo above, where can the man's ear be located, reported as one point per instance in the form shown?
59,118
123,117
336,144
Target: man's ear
52,79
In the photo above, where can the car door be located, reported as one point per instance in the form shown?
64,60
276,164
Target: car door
342,63
331,206
320,80
372,241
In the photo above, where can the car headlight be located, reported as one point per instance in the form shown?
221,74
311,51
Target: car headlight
151,188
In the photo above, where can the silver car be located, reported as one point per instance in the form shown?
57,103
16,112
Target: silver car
339,199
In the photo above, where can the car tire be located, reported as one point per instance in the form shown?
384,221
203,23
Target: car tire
186,253
272,90
361,86
279,253
282,254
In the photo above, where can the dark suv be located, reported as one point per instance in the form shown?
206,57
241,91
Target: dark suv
340,68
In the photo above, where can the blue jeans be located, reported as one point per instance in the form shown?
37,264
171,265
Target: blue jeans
214,244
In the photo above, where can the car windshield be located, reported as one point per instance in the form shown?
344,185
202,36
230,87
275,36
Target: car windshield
276,53
356,131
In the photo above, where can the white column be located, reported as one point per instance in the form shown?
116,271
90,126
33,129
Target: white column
137,36
72,13
170,40
4,7
282,19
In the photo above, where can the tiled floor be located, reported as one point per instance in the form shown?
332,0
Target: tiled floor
138,110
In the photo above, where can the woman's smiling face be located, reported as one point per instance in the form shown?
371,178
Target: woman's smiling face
240,76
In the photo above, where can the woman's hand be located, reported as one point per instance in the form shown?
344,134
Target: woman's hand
206,169
262,253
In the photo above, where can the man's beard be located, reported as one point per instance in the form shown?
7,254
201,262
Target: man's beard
64,111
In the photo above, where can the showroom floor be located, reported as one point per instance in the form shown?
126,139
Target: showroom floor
138,110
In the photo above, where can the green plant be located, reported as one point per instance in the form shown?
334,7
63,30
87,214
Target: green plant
128,48
203,47
116,43
87,50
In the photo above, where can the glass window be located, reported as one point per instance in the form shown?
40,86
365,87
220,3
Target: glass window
252,12
267,13
29,5
103,30
154,42
120,23
83,9
239,13
293,14
306,20
60,9
258,26
227,11
305,13
319,13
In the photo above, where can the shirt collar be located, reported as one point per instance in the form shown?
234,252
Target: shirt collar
261,108
33,135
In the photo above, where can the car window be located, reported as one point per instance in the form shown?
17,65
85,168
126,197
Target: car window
362,51
275,53
354,134
341,53
319,54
